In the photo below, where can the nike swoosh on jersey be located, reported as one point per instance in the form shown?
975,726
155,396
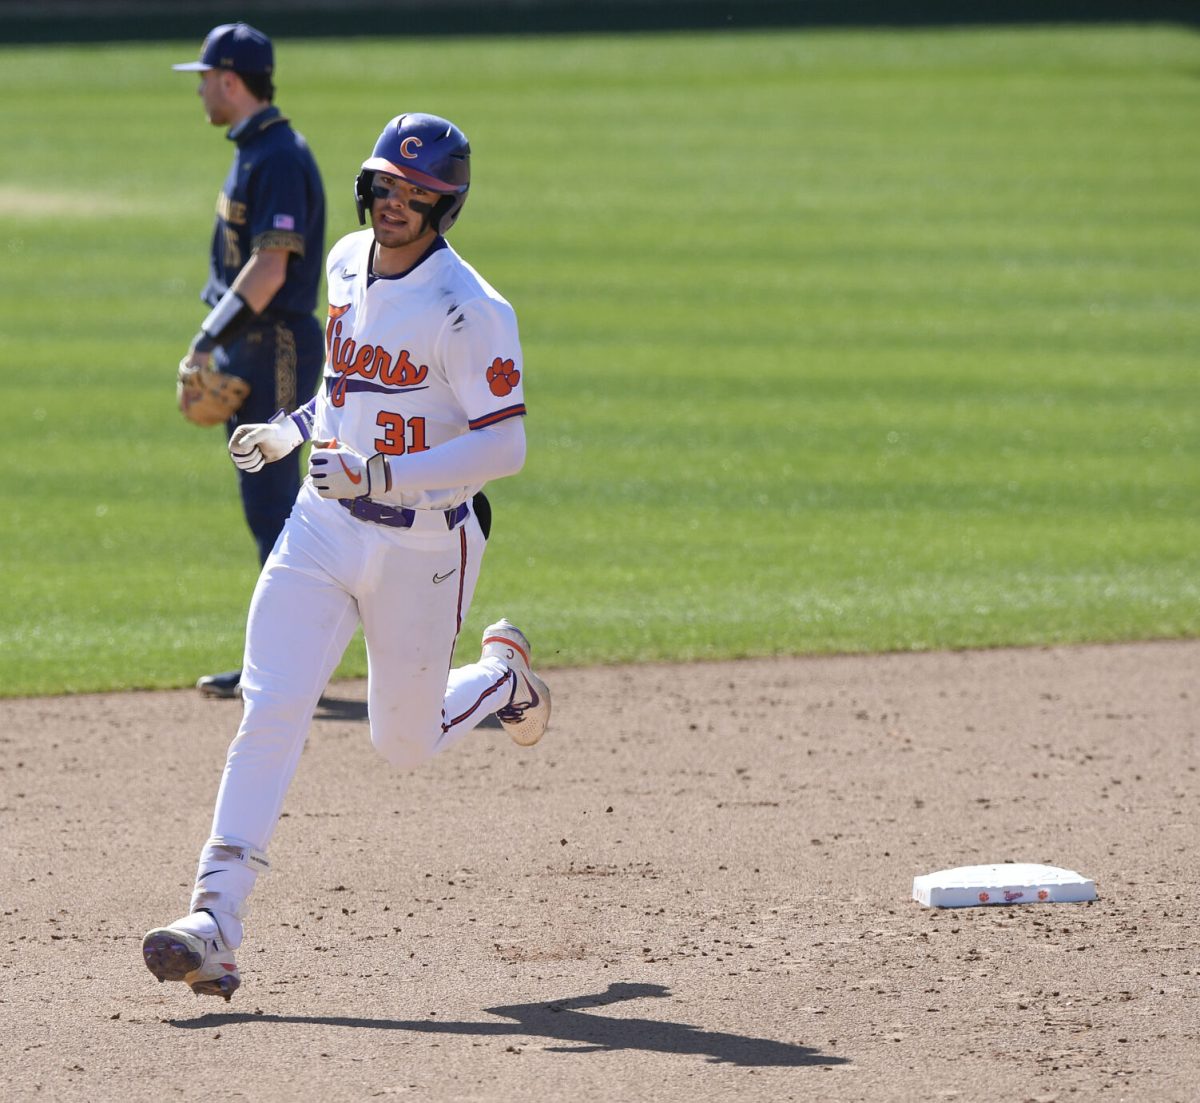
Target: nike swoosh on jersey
442,577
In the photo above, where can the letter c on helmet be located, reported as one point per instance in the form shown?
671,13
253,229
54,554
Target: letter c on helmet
409,147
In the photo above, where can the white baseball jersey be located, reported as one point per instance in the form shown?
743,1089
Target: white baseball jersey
415,360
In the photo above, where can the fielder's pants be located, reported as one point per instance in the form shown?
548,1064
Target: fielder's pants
281,360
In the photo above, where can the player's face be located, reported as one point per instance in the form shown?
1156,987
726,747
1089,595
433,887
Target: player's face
214,94
400,211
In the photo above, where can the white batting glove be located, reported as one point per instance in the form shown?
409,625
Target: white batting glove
253,446
339,472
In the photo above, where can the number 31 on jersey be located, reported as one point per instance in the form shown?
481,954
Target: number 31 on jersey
400,435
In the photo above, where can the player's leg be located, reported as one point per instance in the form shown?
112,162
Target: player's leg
301,619
281,363
410,621
522,701
302,616
411,628
248,358
478,690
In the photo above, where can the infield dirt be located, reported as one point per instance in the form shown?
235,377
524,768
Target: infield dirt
696,887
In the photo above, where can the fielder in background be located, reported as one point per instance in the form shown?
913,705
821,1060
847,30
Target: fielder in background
259,349
422,403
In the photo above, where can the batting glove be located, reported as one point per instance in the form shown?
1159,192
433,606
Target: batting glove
339,472
253,446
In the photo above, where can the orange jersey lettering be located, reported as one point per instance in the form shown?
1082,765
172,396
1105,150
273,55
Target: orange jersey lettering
347,358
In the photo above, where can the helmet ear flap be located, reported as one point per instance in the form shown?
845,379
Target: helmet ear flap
446,211
443,207
362,194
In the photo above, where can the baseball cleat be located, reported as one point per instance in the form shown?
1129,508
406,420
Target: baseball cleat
527,713
228,684
203,962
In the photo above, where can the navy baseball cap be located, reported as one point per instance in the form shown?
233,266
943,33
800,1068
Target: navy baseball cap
235,46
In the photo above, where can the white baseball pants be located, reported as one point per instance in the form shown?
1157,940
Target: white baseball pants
411,590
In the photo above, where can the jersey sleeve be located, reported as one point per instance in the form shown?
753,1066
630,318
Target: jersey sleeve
467,461
279,210
482,356
304,418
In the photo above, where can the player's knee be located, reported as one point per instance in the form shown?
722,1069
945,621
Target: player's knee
262,744
271,724
404,756
405,745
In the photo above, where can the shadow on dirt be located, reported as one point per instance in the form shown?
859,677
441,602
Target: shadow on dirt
564,1021
345,708
340,708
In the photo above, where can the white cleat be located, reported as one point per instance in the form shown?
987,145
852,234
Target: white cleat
201,960
527,713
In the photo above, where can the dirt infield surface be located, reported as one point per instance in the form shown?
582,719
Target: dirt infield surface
697,887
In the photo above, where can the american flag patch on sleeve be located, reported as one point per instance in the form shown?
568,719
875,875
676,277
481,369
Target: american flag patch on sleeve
284,222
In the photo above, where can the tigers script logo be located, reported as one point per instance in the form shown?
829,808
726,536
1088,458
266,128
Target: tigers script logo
348,357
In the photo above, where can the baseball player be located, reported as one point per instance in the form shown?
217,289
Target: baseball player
260,346
422,403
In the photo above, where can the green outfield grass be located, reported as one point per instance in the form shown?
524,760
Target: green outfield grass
834,341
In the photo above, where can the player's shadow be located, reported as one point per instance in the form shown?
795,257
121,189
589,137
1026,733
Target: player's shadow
346,708
339,708
574,1023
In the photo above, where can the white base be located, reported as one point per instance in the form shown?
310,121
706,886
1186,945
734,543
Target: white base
976,886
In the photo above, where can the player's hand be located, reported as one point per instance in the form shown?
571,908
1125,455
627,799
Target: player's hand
194,361
339,472
253,446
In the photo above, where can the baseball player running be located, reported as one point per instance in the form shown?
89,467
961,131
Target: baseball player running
422,403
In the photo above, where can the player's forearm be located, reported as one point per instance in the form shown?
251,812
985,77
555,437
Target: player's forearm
259,282
256,285
469,460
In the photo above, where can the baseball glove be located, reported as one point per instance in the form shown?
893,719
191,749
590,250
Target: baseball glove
207,396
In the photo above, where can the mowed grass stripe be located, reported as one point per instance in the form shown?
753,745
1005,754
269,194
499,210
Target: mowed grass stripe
834,341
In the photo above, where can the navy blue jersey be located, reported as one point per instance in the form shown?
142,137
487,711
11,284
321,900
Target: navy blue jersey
272,198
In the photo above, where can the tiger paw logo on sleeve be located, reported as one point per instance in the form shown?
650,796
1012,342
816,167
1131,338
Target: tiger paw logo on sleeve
502,377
